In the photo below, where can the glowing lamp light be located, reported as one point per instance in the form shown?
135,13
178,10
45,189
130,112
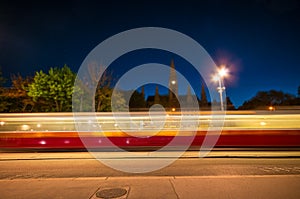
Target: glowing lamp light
173,109
173,82
216,78
223,72
271,108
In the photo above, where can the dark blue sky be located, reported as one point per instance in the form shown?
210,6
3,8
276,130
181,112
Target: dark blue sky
259,40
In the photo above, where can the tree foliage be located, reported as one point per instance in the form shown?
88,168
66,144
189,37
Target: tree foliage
15,99
17,94
96,77
4,100
103,99
268,98
54,87
2,78
53,91
229,104
137,100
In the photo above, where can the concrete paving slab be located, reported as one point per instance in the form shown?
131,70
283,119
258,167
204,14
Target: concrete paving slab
48,188
184,187
275,187
145,187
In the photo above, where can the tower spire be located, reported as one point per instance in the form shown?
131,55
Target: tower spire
203,99
156,97
143,92
173,85
189,99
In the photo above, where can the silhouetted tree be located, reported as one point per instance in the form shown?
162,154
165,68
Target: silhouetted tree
97,76
2,79
4,100
137,101
229,104
21,102
267,98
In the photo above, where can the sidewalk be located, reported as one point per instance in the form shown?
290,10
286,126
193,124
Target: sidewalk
262,186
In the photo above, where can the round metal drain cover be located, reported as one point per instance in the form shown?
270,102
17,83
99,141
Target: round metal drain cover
111,193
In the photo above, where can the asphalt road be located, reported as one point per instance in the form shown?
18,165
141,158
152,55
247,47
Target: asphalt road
77,165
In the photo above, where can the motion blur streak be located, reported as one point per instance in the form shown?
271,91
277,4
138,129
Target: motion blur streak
57,130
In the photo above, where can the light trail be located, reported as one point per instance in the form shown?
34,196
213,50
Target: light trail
58,130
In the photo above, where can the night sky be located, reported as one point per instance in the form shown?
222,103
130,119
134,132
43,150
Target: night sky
258,40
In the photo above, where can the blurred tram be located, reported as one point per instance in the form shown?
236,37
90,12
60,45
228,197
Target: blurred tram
140,130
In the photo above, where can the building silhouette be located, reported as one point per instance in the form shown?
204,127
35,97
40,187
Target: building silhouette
171,100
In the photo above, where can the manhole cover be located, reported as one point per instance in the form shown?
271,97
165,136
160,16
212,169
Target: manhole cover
111,193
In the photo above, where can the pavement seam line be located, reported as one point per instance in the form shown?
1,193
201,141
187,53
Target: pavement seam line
173,187
94,193
152,177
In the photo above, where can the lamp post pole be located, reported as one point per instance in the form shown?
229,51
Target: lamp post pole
218,77
220,90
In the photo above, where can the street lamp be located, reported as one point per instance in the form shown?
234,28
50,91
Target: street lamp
222,72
